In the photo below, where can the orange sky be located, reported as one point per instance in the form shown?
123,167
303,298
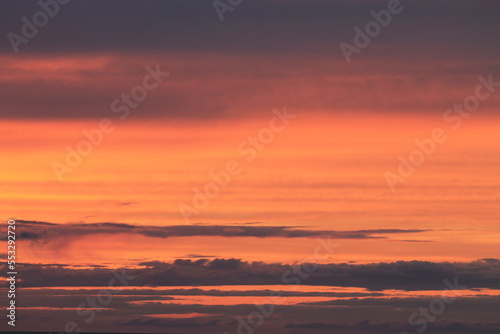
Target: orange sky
196,164
321,173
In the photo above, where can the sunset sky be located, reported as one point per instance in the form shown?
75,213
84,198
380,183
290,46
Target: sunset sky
210,159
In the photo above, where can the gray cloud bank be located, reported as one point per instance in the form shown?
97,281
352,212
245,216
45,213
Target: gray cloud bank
401,275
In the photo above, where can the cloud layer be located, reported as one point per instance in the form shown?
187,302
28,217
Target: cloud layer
38,231
403,275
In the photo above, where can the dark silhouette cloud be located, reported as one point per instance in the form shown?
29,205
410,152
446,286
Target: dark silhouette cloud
42,232
411,276
37,231
366,326
87,26
144,309
250,62
157,322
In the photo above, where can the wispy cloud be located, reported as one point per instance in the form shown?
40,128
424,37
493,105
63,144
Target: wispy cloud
402,275
33,230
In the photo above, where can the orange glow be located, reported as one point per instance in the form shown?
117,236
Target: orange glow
324,173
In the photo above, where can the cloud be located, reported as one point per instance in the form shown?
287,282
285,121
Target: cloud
36,231
248,64
223,264
157,322
194,256
221,86
401,275
144,309
86,26
366,326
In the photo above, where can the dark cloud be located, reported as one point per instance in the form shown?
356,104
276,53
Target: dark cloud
212,86
223,264
29,236
38,230
411,276
194,256
181,262
157,322
426,60
366,326
144,309
157,294
257,26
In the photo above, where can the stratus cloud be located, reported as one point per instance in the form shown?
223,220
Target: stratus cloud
299,64
366,326
37,231
85,90
401,275
162,25
470,315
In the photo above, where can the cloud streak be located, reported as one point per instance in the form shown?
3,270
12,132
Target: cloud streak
43,231
402,275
